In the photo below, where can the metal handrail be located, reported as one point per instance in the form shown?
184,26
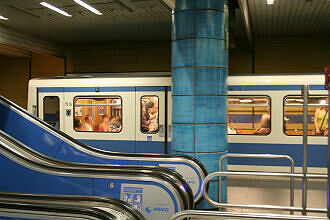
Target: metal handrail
265,156
209,214
272,207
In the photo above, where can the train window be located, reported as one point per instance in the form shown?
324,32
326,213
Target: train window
52,111
317,115
149,114
98,114
249,115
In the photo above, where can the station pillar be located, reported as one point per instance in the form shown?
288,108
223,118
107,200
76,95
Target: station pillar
199,77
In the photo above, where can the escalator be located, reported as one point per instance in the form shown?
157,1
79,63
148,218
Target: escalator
47,140
25,170
45,206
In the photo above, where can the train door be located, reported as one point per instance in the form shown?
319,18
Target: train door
150,120
50,106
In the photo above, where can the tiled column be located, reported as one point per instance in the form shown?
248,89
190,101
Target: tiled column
199,75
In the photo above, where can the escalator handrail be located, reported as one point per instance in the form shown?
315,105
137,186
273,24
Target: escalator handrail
87,170
100,151
56,209
86,200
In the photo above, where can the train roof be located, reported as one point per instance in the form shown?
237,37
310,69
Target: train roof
88,81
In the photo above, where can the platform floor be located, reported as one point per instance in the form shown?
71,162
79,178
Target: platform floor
272,191
275,191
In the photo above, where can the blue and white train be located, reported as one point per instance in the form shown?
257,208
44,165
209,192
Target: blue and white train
139,115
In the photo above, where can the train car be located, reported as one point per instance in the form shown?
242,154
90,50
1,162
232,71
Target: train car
133,114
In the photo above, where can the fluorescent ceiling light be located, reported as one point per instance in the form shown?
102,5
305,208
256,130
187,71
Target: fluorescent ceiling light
87,6
270,2
55,9
3,18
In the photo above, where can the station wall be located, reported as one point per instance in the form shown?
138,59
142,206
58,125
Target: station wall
15,73
120,57
282,55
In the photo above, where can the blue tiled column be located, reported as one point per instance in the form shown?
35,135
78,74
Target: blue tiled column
199,75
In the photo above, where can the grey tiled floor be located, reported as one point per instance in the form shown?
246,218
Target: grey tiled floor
274,191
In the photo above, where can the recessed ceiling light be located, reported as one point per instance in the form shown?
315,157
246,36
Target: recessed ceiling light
3,18
87,6
55,9
270,2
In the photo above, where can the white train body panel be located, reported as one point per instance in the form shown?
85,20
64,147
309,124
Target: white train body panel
276,87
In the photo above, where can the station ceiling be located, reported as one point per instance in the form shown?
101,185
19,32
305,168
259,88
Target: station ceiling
147,20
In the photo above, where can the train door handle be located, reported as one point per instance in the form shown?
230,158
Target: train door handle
161,131
169,131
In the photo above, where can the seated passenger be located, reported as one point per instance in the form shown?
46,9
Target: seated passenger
321,119
88,125
230,130
77,124
264,127
104,125
113,124
285,124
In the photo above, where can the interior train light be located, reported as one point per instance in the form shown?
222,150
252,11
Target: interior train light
3,18
245,100
270,2
55,9
87,6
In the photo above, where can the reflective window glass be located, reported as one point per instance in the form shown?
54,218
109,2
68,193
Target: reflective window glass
249,115
317,115
149,114
52,111
98,114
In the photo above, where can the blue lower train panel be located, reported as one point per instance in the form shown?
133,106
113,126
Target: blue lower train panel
317,154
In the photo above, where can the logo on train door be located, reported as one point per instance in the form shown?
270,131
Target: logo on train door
68,112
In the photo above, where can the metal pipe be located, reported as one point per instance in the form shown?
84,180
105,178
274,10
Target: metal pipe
304,91
268,156
225,205
211,214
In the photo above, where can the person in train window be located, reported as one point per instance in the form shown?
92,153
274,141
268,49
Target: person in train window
118,122
104,125
229,129
145,115
77,124
113,124
88,125
153,119
285,124
264,127
321,119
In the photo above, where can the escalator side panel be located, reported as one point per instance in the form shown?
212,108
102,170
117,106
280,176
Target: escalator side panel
27,132
43,141
17,178
152,199
69,153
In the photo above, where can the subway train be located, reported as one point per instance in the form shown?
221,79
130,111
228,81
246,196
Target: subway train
133,115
